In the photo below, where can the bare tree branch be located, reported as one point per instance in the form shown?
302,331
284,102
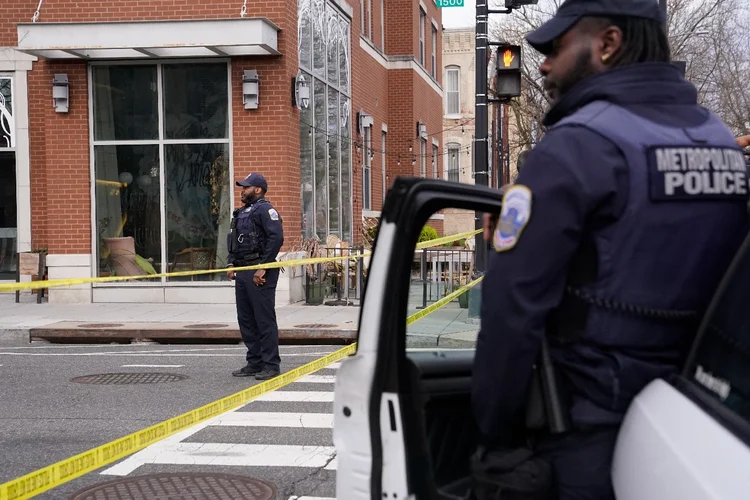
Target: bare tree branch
711,36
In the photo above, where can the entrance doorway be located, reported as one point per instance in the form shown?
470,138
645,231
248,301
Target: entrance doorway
8,215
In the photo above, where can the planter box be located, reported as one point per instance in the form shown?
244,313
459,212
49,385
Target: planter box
463,300
315,293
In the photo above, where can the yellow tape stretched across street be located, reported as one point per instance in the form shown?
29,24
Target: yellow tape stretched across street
36,285
54,475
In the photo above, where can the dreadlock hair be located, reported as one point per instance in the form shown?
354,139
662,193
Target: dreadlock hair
643,40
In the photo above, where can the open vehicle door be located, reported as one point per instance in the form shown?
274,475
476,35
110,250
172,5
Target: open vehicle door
403,426
689,437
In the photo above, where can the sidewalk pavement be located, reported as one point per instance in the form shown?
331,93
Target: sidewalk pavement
117,322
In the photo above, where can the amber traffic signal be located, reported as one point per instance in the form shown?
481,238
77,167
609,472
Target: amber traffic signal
508,71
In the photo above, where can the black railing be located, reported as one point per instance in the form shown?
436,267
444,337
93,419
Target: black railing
336,283
441,271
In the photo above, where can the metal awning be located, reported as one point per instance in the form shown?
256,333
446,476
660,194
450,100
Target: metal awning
149,39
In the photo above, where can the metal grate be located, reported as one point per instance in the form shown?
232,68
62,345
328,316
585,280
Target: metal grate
315,325
183,486
129,378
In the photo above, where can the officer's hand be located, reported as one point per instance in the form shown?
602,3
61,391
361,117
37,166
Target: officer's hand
230,274
258,278
743,141
490,221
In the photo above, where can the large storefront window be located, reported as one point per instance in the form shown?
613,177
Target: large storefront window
325,125
161,161
8,207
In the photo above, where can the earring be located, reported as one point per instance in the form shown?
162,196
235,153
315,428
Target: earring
605,57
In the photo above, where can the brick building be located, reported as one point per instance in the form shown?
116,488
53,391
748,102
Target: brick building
125,124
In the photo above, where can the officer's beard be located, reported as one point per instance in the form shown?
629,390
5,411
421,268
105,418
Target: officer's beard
250,198
582,69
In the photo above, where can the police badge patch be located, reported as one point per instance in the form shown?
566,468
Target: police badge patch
513,218
273,214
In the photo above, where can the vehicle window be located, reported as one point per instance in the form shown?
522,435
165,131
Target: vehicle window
437,271
721,363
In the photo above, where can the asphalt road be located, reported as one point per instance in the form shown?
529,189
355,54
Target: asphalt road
284,438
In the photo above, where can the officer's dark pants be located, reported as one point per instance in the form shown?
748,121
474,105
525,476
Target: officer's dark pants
582,462
256,315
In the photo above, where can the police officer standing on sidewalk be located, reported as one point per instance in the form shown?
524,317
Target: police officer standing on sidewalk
256,236
611,242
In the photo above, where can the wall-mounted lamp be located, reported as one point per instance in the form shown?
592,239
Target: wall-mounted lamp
300,92
421,130
250,88
60,94
363,121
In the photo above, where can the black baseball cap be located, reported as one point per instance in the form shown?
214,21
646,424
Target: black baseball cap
255,180
571,11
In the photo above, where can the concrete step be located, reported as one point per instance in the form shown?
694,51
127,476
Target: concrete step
77,331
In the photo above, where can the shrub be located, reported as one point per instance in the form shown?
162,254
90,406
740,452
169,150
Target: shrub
428,233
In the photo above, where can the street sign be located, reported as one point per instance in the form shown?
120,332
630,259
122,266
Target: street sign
450,3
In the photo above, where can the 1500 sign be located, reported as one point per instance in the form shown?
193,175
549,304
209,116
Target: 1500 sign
450,3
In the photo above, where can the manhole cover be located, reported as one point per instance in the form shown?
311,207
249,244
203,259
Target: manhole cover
207,325
101,325
180,486
315,325
128,378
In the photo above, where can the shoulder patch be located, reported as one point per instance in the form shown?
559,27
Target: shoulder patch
513,218
273,214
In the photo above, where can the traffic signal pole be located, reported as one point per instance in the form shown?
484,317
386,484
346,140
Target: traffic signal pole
481,164
481,101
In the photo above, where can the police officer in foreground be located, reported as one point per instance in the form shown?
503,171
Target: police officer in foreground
256,236
610,243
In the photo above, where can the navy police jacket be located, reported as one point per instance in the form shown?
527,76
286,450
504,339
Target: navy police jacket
258,230
611,243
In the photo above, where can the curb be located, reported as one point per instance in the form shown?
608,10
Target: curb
87,332
14,337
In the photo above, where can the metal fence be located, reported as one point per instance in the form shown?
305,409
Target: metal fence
337,283
436,273
439,272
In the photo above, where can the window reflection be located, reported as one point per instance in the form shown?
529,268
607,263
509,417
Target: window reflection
195,101
125,103
198,208
128,211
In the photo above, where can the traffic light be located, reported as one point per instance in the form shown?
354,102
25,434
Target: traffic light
508,71
514,4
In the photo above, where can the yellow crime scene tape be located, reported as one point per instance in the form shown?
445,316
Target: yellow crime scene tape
37,285
54,475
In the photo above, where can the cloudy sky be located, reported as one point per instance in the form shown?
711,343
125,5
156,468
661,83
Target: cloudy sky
461,17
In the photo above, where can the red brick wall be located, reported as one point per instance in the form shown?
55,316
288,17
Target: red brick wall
401,25
369,94
426,111
265,140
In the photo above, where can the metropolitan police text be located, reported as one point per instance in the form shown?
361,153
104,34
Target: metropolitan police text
702,170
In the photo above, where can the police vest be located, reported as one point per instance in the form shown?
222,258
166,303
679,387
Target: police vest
638,286
249,235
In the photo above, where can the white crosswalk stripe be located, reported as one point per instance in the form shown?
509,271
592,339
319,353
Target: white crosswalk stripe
265,431
276,419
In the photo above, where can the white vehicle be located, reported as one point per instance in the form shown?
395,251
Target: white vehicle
403,427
